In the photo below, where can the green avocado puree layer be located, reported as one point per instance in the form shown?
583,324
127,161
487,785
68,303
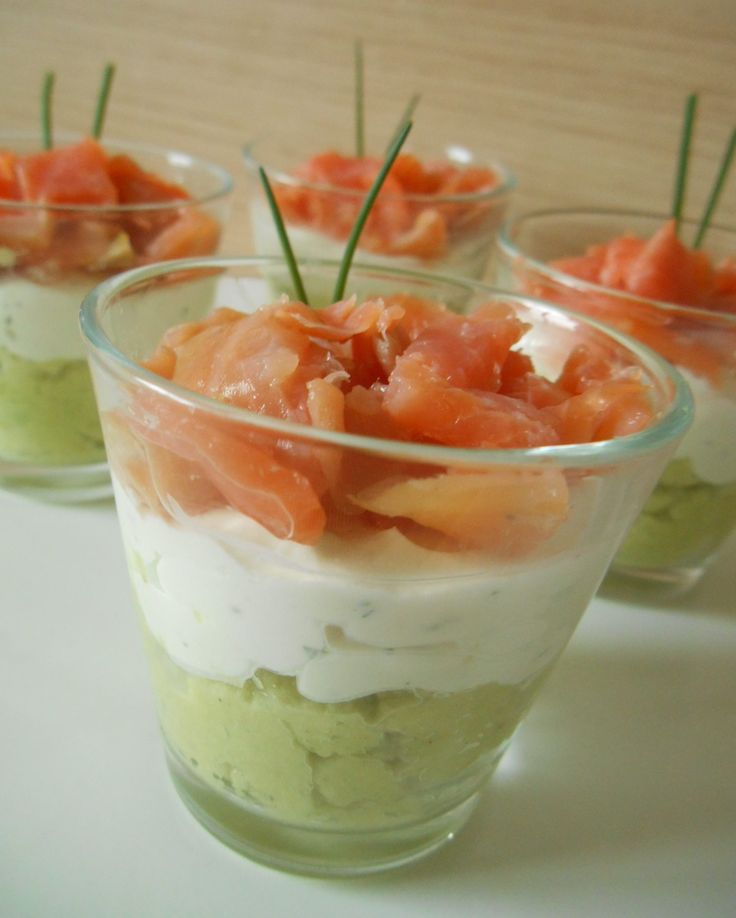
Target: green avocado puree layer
375,761
683,522
48,414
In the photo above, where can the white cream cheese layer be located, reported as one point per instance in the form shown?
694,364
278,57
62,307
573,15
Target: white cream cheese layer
710,444
347,618
466,259
40,322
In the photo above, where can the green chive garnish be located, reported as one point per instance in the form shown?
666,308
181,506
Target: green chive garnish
682,160
406,116
352,242
102,97
359,96
47,92
716,190
296,277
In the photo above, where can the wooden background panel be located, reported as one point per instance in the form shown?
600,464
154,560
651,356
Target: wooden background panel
582,99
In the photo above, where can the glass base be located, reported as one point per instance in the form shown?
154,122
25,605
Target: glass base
316,851
662,580
58,484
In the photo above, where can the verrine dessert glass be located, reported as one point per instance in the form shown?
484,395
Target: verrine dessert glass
436,213
57,241
344,627
692,511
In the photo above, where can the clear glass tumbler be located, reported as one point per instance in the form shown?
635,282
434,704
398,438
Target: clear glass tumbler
51,256
443,232
334,703
693,508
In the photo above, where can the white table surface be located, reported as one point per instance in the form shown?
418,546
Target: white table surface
617,797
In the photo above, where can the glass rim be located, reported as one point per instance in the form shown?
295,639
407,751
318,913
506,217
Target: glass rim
673,423
507,245
225,180
507,182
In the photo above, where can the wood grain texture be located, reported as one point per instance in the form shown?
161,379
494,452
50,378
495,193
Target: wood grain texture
582,99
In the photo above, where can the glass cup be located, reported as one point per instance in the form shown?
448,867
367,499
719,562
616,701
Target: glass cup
692,510
436,233
335,708
51,256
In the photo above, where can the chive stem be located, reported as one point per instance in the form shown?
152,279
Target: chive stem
296,277
716,190
352,242
359,100
682,160
104,93
406,116
47,93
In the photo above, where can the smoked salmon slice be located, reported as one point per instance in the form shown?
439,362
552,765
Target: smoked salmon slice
400,369
664,270
112,234
411,217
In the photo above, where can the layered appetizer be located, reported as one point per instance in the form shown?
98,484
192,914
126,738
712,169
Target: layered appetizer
437,212
360,536
71,214
671,283
358,540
